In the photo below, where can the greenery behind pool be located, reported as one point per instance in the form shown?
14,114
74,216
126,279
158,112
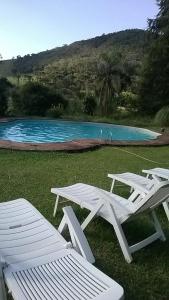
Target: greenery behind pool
118,75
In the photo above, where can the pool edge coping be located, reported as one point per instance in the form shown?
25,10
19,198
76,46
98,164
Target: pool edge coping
81,145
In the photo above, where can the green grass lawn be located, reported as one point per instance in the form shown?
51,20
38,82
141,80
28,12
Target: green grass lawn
31,175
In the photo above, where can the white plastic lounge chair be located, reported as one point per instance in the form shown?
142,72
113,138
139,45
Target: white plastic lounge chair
116,210
137,181
159,174
37,263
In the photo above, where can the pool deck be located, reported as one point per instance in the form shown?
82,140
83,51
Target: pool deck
80,145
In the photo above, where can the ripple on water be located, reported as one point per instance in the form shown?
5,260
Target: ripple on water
48,131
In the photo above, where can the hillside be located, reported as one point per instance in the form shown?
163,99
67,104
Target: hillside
132,40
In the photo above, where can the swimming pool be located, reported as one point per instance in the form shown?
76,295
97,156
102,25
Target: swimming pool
50,131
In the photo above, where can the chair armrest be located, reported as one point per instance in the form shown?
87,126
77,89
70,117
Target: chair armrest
136,186
157,173
78,238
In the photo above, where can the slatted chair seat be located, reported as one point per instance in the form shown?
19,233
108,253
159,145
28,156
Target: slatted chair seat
88,197
38,263
62,275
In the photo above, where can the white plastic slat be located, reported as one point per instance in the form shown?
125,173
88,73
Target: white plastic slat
42,281
14,203
130,180
76,278
33,238
30,247
20,218
16,213
72,283
160,172
29,294
29,287
90,196
20,230
19,223
59,279
50,273
37,253
23,234
51,284
86,274
77,193
55,280
72,265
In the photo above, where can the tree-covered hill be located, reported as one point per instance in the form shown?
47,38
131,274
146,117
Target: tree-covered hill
131,40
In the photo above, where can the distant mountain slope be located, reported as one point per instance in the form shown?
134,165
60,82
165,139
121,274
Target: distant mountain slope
132,39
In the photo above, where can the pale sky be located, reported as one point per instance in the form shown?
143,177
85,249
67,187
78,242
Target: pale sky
31,26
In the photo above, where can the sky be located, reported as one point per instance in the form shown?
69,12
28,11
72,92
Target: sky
31,26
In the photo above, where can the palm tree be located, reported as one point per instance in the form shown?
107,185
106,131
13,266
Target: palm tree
112,77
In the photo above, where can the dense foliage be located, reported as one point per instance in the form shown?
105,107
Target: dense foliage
5,89
162,117
133,41
154,89
35,99
89,105
89,74
112,79
104,75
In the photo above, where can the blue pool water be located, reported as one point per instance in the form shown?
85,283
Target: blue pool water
48,131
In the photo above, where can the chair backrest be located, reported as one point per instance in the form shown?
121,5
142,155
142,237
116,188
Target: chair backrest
158,194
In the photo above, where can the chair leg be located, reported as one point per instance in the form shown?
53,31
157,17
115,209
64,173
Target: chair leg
78,238
2,285
63,225
120,234
91,216
112,186
158,226
123,242
2,290
166,208
56,205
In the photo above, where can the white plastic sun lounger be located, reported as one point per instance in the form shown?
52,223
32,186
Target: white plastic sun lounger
37,263
136,182
116,210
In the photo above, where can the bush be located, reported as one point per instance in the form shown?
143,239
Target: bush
89,105
162,116
34,99
74,107
129,101
55,111
5,88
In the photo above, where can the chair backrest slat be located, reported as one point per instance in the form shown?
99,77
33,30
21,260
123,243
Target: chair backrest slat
158,194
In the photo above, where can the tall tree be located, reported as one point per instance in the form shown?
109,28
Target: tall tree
112,78
154,88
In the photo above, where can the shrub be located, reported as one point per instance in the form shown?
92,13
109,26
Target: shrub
55,111
35,99
5,88
162,116
129,100
89,105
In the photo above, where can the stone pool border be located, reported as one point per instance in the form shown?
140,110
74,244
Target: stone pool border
79,145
